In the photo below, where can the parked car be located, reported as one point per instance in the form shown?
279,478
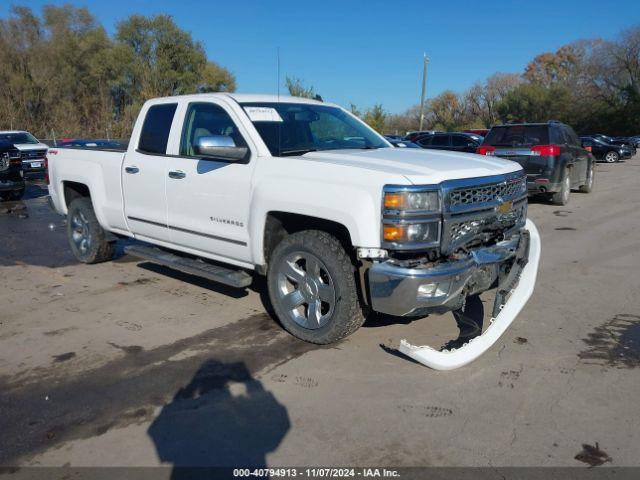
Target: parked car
550,153
458,142
339,227
11,174
400,143
411,136
621,141
607,152
32,151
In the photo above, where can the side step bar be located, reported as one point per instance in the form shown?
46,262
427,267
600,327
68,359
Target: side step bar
228,276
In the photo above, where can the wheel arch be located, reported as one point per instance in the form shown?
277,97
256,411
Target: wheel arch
279,224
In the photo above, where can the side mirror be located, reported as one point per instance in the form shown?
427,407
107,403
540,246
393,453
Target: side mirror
219,147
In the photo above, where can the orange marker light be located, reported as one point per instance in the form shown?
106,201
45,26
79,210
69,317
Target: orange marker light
394,233
394,201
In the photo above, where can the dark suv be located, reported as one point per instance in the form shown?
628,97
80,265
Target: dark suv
11,176
550,154
458,142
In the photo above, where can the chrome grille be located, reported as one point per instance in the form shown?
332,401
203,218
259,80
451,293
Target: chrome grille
485,194
464,231
33,154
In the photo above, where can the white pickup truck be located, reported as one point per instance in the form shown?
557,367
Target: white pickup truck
227,186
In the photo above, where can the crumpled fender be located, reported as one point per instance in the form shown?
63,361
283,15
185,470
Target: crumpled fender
455,358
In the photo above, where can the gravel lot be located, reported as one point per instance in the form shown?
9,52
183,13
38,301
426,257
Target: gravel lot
127,363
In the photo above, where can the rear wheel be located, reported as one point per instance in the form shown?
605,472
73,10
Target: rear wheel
588,186
611,157
312,287
86,237
562,197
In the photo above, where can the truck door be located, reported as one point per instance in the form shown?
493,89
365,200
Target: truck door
144,175
208,198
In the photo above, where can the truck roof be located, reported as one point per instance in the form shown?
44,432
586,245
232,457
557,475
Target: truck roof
248,98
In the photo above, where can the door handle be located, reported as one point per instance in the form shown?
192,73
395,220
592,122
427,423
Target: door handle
177,174
133,169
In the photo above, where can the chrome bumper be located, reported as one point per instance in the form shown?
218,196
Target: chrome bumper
401,291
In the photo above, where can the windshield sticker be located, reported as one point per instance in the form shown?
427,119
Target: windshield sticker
263,114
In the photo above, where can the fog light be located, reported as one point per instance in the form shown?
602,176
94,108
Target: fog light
372,253
431,290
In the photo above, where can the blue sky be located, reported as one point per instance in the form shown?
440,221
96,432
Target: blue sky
369,52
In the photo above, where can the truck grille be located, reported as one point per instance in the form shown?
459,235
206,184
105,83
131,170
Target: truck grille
465,231
481,211
33,154
485,194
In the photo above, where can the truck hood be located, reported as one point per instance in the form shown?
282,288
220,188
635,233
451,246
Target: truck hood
417,166
25,147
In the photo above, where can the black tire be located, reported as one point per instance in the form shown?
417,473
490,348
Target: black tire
611,157
346,314
588,185
97,249
562,197
13,195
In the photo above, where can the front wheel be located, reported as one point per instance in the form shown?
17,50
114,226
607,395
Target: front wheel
86,237
562,197
312,287
612,157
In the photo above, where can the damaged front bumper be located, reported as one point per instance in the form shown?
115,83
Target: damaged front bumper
400,291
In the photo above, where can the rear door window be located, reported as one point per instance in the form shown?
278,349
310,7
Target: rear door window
425,141
156,127
517,136
440,141
460,140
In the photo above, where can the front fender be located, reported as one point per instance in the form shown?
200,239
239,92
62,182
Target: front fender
356,208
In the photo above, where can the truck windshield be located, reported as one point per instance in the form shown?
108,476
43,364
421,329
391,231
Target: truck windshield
297,128
18,137
517,135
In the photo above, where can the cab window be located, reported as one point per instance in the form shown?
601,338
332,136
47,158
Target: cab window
206,120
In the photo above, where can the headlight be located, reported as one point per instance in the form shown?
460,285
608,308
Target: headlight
417,233
405,200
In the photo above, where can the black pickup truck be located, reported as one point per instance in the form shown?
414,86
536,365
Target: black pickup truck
551,155
11,176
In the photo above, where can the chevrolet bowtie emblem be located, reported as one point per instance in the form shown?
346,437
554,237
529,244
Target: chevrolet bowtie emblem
504,207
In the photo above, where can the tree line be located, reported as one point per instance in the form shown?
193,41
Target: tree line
592,85
61,74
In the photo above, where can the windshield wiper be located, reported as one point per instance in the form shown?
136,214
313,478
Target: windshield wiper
300,151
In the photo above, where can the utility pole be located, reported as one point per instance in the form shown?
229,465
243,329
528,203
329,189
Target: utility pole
425,61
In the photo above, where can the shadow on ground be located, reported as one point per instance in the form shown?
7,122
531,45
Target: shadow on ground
223,417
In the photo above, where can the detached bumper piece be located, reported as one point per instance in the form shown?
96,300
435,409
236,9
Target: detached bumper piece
513,293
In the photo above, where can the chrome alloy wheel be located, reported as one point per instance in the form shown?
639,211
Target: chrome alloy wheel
81,235
305,290
611,157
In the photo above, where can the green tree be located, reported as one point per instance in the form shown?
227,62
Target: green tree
376,117
297,88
